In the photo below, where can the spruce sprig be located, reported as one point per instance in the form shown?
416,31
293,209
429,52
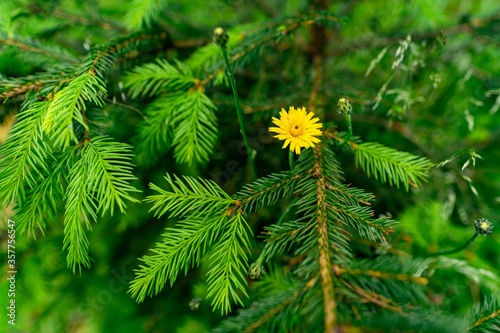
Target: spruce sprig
392,166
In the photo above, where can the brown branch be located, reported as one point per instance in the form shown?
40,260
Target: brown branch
19,90
384,246
240,203
83,20
324,245
374,297
379,275
25,47
482,320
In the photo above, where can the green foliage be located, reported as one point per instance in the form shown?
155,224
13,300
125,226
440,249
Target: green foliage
143,13
68,105
196,128
154,78
391,166
204,197
183,118
97,181
208,230
23,154
83,84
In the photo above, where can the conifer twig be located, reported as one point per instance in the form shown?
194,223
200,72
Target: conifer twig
324,245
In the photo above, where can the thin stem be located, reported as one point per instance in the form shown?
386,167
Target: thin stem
349,130
458,249
240,115
291,160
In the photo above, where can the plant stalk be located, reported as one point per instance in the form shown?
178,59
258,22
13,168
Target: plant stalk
240,114
291,160
458,249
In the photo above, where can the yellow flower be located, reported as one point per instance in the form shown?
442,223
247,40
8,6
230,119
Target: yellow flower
298,128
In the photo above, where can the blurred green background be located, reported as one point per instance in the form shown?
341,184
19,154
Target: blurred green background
437,95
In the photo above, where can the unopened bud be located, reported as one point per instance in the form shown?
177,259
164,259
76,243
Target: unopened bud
220,37
255,271
344,107
195,303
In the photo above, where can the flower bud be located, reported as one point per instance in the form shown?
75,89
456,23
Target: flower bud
195,304
483,226
220,37
344,107
255,271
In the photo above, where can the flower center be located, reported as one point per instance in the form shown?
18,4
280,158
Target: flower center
296,130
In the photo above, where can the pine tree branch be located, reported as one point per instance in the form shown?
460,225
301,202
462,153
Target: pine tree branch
229,263
69,105
22,156
265,191
379,275
143,13
324,246
182,247
191,197
19,90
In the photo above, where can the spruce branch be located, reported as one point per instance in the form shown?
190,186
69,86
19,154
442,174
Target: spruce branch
196,128
368,295
188,196
229,264
255,39
80,210
41,203
154,134
97,181
143,13
26,44
265,191
181,248
109,173
207,230
23,155
153,78
69,105
329,302
390,165
184,120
